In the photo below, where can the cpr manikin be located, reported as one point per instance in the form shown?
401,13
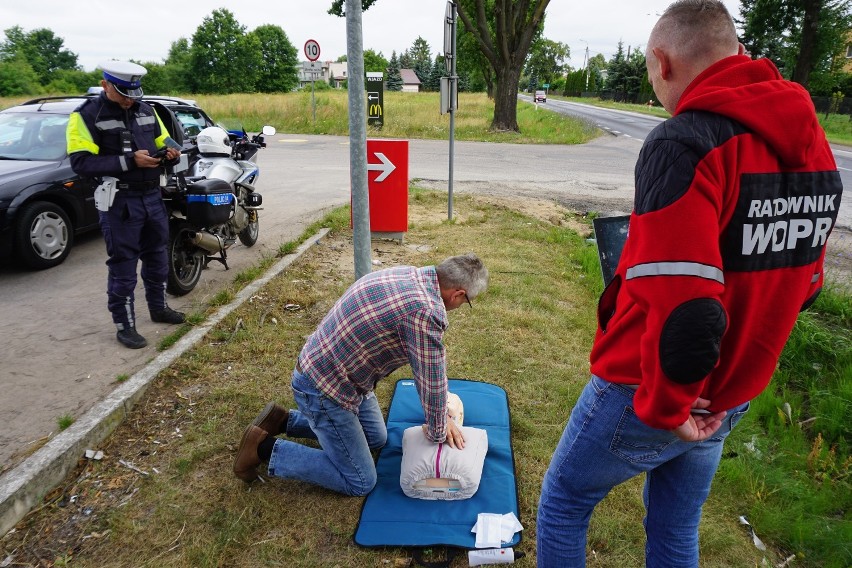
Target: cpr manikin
438,471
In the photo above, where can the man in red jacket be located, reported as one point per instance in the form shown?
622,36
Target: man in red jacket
736,195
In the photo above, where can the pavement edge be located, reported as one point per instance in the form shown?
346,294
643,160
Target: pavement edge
23,487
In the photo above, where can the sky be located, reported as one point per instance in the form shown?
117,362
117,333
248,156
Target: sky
145,31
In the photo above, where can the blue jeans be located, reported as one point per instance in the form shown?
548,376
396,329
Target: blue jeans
605,444
344,464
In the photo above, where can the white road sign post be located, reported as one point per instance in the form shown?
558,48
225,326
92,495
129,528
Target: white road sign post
312,52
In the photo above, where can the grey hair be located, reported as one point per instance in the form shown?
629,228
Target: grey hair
699,30
465,271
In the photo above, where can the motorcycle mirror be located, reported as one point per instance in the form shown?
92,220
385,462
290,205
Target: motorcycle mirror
268,130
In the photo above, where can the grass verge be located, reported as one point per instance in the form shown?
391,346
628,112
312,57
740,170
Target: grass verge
530,333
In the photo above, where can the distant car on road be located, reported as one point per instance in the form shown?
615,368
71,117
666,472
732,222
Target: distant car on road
541,96
43,203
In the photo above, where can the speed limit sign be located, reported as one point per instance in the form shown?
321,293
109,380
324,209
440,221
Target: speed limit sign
312,50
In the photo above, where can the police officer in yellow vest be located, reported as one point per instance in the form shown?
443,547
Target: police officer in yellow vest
116,137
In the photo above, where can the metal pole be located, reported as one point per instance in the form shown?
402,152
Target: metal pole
313,101
358,139
453,88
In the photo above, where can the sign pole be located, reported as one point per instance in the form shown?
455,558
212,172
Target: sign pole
358,140
452,90
312,52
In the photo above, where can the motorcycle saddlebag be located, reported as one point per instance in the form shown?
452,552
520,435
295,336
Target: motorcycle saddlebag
209,202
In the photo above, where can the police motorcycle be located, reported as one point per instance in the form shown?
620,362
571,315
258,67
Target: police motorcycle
212,202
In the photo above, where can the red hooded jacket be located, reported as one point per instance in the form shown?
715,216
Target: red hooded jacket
736,195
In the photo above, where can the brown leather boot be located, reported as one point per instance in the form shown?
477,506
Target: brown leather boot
247,460
273,419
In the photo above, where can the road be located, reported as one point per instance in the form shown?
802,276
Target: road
59,354
636,125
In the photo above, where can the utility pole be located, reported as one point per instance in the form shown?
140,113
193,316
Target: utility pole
586,63
358,140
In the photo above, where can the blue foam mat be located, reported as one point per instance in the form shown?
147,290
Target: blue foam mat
389,518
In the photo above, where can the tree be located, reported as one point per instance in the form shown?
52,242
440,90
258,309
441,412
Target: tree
41,49
626,74
421,59
279,60
374,62
505,30
394,80
337,6
178,76
223,58
405,60
547,59
17,77
472,64
802,37
72,81
438,70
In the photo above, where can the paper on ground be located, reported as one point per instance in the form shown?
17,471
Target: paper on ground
492,529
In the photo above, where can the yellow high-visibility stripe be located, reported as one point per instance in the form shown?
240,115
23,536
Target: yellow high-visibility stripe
77,136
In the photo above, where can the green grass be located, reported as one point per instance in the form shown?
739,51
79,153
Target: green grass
407,115
530,333
64,421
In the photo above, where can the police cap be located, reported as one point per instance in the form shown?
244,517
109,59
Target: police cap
125,76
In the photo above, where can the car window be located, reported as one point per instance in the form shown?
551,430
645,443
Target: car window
32,136
193,121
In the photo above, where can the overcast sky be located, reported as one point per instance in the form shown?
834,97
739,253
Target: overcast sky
144,31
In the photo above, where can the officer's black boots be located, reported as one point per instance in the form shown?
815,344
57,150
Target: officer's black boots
130,338
167,315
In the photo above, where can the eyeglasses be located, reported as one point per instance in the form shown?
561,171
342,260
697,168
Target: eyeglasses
467,299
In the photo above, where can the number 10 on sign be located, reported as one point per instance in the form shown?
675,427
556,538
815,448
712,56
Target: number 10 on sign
312,50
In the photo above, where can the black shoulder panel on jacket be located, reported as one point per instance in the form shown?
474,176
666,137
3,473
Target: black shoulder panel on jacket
691,340
666,164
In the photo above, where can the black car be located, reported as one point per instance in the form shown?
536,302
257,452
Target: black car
43,203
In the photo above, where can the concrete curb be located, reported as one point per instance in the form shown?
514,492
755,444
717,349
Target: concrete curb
23,487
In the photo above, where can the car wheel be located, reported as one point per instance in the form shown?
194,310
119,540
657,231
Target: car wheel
43,235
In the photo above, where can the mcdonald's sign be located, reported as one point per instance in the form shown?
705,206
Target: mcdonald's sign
375,85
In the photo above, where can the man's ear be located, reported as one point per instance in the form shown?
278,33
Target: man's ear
664,63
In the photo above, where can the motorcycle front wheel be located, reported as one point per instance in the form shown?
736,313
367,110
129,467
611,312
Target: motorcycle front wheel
249,235
186,261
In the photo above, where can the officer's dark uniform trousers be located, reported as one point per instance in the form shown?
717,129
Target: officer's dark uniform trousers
135,228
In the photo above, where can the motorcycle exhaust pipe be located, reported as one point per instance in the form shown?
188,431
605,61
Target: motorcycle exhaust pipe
208,241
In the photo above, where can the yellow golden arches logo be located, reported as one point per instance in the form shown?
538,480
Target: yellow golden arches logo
375,110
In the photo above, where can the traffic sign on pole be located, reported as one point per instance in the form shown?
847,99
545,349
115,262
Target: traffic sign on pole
375,98
312,50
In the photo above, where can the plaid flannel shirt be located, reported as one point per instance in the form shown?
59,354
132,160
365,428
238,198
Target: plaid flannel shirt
385,320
